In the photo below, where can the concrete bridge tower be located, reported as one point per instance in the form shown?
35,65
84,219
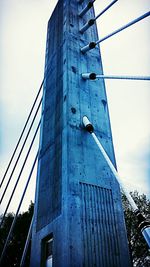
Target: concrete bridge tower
78,218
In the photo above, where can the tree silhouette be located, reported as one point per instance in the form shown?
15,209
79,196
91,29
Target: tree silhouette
16,245
138,248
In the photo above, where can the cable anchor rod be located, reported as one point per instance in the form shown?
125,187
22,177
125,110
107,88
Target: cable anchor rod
94,76
86,8
92,21
87,47
143,223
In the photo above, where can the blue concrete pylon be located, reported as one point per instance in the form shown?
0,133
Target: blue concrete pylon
78,218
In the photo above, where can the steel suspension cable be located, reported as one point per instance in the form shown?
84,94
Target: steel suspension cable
94,76
92,45
26,123
105,9
143,223
92,21
23,258
86,8
124,27
20,173
24,127
21,151
18,209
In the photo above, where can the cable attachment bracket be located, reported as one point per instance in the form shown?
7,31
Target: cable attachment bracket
87,25
143,226
86,9
88,125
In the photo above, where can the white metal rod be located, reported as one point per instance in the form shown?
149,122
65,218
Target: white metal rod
87,7
123,77
86,121
93,76
143,224
146,234
87,25
92,21
124,27
87,47
105,9
130,199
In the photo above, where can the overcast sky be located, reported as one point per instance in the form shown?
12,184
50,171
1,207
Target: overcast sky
23,26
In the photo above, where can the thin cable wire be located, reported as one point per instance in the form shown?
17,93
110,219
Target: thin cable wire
92,21
93,76
26,123
20,173
145,78
130,199
18,209
25,126
21,151
92,44
124,27
105,9
23,258
145,229
86,8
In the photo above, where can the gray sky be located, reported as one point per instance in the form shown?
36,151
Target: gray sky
23,26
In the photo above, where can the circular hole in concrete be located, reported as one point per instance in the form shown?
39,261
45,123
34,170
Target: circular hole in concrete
73,110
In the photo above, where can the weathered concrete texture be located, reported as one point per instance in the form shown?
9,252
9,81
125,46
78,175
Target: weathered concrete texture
77,197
